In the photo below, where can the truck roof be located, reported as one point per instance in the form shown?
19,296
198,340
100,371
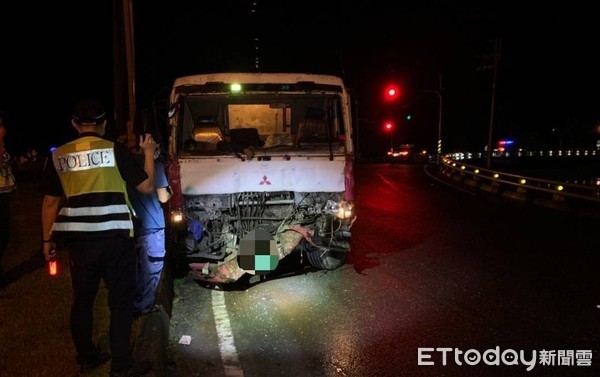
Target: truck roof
257,78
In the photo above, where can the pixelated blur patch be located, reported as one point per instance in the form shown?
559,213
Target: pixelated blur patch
258,252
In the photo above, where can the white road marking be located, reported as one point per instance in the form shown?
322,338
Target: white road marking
229,356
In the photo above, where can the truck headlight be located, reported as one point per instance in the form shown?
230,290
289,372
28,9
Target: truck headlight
342,210
346,210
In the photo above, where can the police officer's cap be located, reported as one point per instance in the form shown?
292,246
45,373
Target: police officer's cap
89,111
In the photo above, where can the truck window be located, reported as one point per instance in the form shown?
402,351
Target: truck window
298,121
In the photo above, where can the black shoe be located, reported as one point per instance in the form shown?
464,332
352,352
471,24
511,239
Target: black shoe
137,370
94,362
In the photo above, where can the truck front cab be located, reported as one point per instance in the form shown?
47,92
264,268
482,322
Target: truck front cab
260,164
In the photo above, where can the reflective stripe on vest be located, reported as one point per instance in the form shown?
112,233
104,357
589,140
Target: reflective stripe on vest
97,201
94,211
91,227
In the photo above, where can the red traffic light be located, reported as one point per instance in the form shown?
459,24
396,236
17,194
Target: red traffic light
388,125
392,92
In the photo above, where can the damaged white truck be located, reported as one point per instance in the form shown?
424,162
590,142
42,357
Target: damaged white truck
255,156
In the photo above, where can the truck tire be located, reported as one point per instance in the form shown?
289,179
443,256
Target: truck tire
326,259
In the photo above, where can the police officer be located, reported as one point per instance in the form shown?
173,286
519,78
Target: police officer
95,225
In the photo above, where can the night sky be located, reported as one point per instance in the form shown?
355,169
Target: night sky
548,90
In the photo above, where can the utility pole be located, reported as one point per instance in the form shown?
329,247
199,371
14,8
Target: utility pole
497,49
124,69
439,141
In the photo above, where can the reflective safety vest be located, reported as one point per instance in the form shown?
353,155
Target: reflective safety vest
97,203
7,178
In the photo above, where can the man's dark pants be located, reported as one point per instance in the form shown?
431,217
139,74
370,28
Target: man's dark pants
4,224
112,259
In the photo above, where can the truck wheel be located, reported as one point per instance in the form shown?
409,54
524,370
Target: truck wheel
326,259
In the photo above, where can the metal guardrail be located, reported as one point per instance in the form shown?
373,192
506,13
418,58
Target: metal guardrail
543,192
576,152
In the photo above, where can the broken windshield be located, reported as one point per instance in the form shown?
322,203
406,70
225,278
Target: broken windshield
223,124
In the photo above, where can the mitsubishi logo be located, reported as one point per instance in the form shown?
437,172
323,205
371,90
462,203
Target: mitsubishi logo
265,181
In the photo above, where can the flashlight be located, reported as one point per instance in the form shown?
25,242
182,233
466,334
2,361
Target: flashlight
52,264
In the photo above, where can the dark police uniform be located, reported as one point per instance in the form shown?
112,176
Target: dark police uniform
95,225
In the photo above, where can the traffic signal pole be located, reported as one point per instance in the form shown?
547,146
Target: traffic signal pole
439,141
491,126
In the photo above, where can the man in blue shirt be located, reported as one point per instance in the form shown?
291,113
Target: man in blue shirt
150,236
